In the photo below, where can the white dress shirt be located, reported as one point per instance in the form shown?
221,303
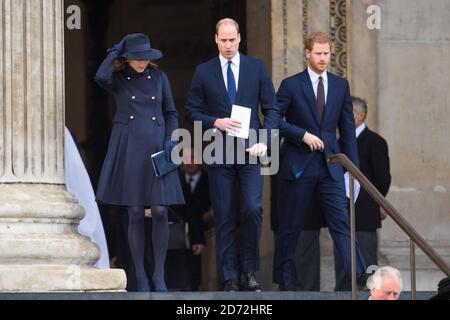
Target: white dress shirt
235,62
360,129
315,81
195,179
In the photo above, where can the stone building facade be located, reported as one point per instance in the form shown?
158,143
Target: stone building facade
400,68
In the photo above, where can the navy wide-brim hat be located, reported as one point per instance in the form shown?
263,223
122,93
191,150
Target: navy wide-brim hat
138,47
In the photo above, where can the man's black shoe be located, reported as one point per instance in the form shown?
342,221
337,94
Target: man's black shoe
283,287
230,286
248,282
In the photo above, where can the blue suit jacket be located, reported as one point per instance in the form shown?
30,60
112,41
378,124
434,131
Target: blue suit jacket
298,106
208,100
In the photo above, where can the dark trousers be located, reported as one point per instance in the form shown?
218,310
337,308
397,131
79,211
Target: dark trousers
294,198
222,181
368,243
307,261
183,270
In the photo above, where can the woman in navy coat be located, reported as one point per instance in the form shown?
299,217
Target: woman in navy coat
143,124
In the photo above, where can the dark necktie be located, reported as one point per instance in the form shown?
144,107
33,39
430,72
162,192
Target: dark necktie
231,84
191,184
320,98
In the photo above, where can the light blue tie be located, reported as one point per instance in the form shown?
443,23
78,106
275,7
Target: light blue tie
231,84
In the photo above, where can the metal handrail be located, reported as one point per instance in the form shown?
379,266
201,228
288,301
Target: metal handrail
414,236
352,236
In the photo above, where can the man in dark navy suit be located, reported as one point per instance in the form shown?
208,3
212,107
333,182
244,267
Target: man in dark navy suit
183,265
314,104
234,79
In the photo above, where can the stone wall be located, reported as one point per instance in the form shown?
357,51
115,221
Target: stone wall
413,49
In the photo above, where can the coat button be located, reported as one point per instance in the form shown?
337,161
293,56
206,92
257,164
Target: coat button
128,78
149,77
153,98
131,117
133,97
154,118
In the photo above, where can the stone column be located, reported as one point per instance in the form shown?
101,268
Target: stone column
363,59
40,249
275,35
259,38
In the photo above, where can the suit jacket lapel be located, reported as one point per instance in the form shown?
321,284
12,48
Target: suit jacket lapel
331,95
362,136
220,81
309,93
242,77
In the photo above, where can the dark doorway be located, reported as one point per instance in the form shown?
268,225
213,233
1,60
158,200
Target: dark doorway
182,29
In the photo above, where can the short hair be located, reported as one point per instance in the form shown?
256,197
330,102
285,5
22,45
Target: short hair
317,37
360,103
227,21
375,281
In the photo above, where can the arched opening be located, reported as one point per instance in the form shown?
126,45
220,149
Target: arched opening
182,29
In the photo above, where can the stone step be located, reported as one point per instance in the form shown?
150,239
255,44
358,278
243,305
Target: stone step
203,296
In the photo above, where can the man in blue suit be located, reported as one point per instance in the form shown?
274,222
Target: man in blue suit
234,79
314,104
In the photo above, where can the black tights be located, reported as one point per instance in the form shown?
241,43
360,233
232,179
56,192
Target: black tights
160,240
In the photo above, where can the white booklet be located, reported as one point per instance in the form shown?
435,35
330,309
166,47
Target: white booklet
347,186
241,114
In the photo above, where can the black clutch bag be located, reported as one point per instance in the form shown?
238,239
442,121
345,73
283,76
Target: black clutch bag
178,236
162,165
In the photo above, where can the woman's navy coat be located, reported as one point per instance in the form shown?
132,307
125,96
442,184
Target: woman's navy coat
145,118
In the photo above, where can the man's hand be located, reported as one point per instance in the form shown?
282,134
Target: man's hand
383,214
313,142
257,150
198,249
228,125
